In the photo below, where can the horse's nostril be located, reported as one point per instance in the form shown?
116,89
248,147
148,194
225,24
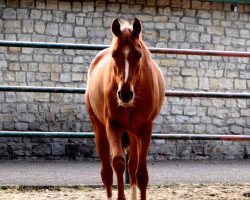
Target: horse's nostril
119,94
131,95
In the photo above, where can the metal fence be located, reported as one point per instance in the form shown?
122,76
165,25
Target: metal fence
82,91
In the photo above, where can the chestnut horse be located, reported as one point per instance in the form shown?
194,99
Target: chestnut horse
124,93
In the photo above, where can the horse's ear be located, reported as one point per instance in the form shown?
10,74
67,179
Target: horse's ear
116,28
136,28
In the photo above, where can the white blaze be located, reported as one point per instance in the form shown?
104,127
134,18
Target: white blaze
126,52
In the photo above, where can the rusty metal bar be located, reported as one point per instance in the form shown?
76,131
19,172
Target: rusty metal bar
100,47
155,136
200,52
82,91
201,137
238,95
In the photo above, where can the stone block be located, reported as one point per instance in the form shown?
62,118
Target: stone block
240,84
28,26
177,82
41,150
35,14
191,83
70,18
27,117
216,30
218,15
22,14
204,83
226,84
52,4
10,3
59,16
64,5
245,112
188,72
177,36
77,77
44,67
190,111
21,126
187,128
46,15
221,113
19,150
65,77
25,58
245,33
193,37
186,4
230,32
58,149
9,13
56,68
66,30
80,32
21,77
200,129
76,6
12,26
27,3
88,6
51,29
40,4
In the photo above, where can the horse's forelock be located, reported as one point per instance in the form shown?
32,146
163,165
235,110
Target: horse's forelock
127,31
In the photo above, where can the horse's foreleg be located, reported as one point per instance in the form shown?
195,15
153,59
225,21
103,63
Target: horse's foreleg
143,142
106,168
103,150
118,160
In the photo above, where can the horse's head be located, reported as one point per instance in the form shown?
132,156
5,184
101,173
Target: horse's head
126,52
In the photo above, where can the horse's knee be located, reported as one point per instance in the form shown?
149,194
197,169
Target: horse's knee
119,164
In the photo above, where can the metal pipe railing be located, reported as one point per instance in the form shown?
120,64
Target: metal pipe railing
155,136
100,47
7,88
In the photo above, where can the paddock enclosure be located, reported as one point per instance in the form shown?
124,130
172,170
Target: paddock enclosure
172,29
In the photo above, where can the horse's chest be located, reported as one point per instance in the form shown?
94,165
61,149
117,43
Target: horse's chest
127,118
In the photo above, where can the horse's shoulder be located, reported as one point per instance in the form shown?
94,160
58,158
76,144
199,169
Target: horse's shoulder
99,57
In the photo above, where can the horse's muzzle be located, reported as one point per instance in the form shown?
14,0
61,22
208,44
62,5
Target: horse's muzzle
125,96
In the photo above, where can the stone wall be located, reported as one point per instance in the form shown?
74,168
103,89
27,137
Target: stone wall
175,24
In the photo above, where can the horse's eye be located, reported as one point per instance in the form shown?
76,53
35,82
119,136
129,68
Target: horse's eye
114,54
138,55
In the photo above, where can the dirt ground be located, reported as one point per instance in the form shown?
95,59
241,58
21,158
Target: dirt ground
161,192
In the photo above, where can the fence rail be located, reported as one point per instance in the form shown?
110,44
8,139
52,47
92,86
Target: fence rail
7,88
155,136
100,47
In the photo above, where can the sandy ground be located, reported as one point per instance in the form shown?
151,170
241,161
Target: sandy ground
161,192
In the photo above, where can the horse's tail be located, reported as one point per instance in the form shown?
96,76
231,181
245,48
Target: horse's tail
125,141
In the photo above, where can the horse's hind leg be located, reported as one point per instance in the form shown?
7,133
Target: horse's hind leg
103,149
